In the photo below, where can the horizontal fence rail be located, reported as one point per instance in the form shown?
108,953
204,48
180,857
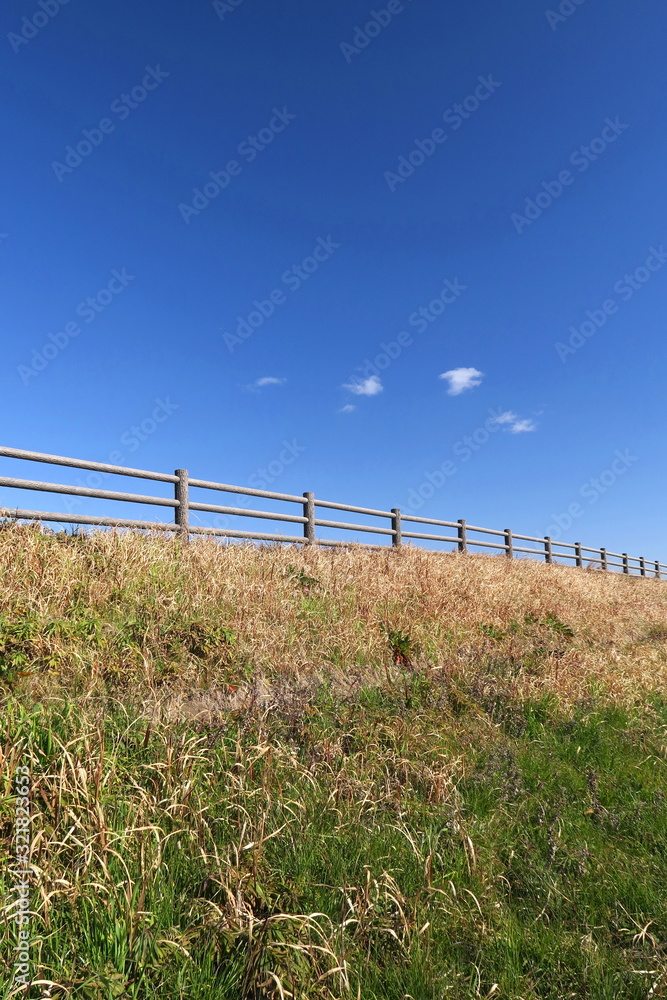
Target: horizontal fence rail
395,525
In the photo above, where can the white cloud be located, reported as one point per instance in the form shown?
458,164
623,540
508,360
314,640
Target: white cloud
521,426
461,379
365,387
514,424
348,408
504,418
268,380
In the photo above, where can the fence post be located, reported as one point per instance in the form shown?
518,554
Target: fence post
642,566
626,567
182,512
578,560
309,513
603,559
509,543
548,553
396,539
463,537
657,569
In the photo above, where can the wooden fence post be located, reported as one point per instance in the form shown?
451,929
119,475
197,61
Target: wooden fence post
642,566
396,539
603,559
548,553
182,512
626,565
463,537
509,543
657,569
309,513
578,560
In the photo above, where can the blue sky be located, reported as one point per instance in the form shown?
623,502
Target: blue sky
200,197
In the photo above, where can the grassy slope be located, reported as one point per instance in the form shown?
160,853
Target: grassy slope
335,774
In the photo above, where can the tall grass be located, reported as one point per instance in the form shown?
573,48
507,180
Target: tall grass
139,614
263,773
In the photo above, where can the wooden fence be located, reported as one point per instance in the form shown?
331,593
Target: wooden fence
397,523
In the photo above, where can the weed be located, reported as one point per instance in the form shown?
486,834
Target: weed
19,646
401,644
656,633
199,638
493,632
307,583
553,622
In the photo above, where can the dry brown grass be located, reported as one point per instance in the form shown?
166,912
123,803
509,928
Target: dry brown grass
296,615
362,807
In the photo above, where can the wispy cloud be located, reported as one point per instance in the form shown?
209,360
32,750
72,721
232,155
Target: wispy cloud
461,379
348,408
504,418
365,387
513,423
261,383
521,426
269,380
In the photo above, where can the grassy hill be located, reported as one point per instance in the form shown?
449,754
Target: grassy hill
265,772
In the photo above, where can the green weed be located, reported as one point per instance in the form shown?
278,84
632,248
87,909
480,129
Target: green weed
307,583
403,647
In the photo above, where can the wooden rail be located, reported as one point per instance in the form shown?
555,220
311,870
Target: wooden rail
460,536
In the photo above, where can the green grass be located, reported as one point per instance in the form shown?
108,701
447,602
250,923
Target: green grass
409,841
267,774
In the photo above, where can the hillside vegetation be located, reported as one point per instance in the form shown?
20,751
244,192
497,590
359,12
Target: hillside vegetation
262,772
